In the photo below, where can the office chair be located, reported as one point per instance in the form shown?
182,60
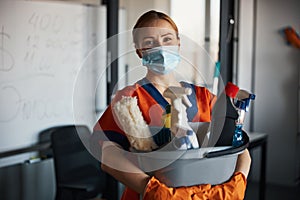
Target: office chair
78,174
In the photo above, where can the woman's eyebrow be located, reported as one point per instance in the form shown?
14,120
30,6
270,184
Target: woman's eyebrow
148,37
166,34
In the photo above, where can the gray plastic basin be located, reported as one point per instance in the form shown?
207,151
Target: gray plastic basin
186,168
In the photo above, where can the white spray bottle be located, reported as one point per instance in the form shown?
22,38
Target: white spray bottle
185,137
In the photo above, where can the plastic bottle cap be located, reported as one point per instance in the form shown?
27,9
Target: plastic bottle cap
231,90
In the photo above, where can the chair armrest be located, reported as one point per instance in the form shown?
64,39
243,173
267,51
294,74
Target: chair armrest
77,186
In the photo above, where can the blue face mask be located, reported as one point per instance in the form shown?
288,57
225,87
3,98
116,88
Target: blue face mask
162,59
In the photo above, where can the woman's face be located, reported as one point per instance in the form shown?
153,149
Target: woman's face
158,33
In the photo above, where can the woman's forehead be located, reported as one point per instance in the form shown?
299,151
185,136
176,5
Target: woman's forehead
154,32
156,27
159,23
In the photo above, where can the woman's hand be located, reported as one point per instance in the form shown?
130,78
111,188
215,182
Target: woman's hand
243,163
117,164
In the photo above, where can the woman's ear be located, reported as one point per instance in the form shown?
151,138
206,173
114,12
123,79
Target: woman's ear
139,52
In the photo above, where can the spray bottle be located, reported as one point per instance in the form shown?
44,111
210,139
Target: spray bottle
185,137
241,101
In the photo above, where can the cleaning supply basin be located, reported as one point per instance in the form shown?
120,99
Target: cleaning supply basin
209,165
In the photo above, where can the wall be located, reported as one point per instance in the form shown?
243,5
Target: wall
45,50
47,78
275,75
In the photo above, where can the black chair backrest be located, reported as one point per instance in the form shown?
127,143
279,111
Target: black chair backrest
72,160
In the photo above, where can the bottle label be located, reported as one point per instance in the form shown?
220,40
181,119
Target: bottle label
238,136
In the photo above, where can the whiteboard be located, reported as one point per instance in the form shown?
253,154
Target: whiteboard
42,48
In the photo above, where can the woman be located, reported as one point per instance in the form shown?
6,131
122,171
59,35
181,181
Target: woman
157,31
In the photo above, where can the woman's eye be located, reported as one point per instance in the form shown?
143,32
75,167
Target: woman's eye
167,40
148,43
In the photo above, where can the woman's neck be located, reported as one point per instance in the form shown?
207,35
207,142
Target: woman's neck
162,82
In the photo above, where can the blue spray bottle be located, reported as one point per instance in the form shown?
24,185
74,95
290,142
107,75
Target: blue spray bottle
242,104
240,99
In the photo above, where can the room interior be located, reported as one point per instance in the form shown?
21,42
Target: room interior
245,36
